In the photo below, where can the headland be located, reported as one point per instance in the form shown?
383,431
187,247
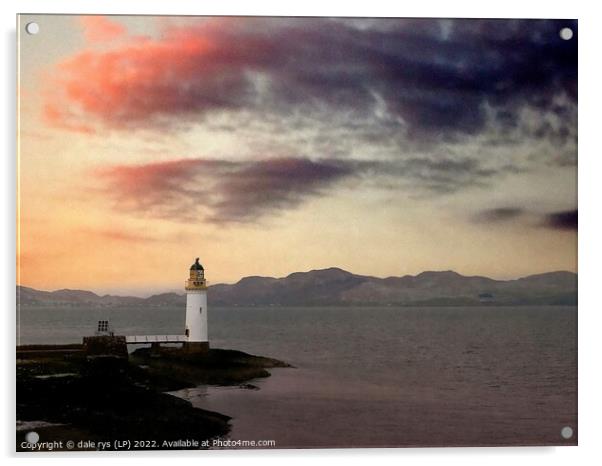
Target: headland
112,397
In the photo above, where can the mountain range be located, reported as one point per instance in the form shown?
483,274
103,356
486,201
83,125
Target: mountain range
337,287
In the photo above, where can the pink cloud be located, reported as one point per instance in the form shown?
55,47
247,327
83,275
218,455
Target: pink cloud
186,70
220,191
101,28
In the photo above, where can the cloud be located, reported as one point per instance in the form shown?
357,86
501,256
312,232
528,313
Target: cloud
120,235
220,191
101,28
499,214
443,175
424,106
274,185
565,220
161,189
432,79
224,191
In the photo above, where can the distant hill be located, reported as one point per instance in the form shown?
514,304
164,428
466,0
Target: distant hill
32,297
336,287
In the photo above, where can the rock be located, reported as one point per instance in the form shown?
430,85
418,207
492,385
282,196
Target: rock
105,397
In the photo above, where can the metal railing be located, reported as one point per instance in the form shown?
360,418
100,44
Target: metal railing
156,338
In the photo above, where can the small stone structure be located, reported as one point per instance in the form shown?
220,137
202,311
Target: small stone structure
196,347
106,345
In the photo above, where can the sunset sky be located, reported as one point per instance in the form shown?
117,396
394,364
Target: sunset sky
267,146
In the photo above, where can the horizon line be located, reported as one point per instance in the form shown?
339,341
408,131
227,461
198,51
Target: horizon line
172,290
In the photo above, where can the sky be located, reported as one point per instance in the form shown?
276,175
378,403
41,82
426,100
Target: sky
267,146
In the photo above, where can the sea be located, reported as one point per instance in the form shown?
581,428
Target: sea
373,377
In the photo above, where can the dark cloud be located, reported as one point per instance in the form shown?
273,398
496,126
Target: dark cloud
267,186
443,175
223,191
220,191
566,220
434,78
500,214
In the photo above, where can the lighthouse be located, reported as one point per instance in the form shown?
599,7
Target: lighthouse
196,309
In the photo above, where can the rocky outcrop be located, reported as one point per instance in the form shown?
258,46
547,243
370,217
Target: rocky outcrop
107,398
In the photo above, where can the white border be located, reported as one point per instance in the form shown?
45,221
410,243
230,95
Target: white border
590,170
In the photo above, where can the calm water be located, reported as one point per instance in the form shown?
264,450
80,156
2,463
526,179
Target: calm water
376,376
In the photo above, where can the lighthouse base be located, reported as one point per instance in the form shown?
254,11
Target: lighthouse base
195,347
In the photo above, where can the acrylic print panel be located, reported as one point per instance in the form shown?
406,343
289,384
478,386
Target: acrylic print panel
255,232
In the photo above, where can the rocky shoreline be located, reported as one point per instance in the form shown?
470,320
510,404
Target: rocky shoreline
101,402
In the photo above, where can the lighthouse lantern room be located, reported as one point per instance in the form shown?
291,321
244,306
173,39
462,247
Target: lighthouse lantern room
196,308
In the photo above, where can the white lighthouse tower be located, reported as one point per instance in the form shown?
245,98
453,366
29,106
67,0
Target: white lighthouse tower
196,309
